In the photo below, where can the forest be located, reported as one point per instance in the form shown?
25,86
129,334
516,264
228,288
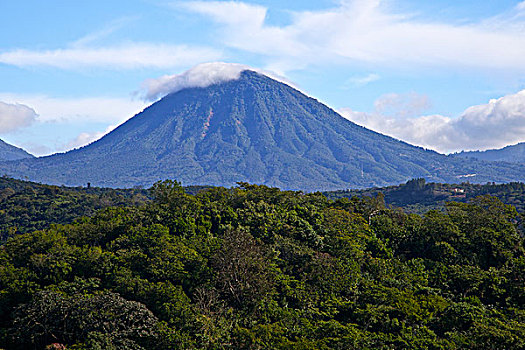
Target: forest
254,267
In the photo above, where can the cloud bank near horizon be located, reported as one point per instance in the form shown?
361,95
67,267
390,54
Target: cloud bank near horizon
496,124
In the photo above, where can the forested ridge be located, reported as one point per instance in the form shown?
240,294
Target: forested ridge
419,196
254,267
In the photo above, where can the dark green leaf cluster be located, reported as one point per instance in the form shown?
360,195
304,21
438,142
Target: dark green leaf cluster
254,267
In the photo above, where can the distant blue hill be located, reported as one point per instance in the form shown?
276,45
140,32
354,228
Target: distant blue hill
512,154
253,129
10,152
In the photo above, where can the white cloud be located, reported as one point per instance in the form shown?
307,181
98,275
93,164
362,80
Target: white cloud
15,116
124,56
363,80
244,28
229,12
500,122
85,138
202,75
369,31
89,109
403,105
493,125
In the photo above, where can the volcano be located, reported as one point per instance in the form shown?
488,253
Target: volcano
252,129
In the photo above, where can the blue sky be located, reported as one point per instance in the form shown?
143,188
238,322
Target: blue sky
446,75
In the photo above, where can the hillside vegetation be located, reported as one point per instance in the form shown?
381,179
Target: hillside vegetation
259,268
27,206
418,196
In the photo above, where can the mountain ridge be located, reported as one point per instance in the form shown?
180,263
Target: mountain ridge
512,154
9,152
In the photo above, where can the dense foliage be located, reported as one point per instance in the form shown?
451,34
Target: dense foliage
27,206
258,268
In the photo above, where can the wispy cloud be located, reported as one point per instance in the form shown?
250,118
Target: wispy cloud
362,80
498,123
15,116
104,32
369,31
92,50
124,56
